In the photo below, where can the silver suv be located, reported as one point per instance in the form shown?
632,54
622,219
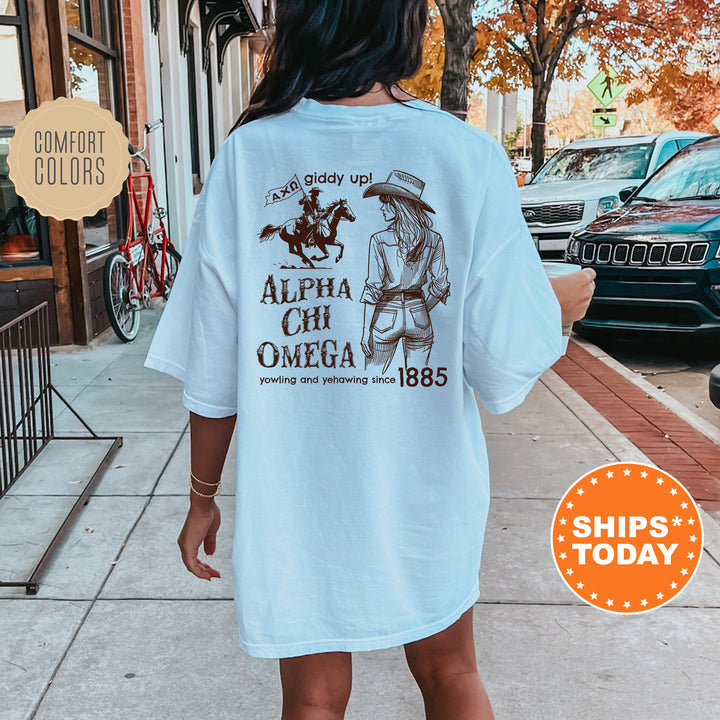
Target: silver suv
584,179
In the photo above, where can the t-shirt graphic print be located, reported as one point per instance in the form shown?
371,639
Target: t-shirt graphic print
407,275
354,277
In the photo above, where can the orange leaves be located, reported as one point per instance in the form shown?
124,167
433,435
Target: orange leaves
427,82
667,49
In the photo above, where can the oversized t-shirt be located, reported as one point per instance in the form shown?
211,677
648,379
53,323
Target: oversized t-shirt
351,275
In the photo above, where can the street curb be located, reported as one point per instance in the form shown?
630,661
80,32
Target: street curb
684,413
618,444
623,449
621,446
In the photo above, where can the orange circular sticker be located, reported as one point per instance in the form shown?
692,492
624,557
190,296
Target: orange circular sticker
68,158
627,538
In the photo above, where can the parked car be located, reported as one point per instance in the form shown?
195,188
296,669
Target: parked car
583,180
715,386
657,258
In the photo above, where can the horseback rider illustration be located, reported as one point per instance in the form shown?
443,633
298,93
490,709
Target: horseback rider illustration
313,214
317,226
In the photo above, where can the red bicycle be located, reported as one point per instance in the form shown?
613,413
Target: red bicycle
146,265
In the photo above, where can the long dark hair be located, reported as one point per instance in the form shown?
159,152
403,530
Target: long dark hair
331,49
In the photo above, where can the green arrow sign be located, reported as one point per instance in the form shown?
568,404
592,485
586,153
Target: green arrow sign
605,120
605,86
716,122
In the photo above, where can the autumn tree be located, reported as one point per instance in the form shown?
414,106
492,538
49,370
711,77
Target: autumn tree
460,44
427,81
692,99
533,42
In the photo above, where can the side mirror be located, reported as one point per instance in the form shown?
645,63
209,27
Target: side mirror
626,193
715,386
528,178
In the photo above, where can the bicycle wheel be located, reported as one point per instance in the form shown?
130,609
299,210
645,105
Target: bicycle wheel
123,313
172,263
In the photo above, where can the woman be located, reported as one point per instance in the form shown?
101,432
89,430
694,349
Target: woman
400,259
360,506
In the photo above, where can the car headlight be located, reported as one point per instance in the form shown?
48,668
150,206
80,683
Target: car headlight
607,204
574,247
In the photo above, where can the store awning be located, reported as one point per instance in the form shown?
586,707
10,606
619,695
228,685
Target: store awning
226,18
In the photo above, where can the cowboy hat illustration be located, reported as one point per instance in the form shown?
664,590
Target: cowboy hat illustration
402,184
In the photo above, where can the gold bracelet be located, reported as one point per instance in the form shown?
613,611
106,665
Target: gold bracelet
201,482
217,492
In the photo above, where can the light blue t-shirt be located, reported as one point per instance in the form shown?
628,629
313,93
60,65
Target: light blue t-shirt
351,275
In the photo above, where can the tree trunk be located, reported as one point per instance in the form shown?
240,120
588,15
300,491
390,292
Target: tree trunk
541,90
459,47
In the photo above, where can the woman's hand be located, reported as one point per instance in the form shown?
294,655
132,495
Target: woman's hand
201,526
574,293
365,343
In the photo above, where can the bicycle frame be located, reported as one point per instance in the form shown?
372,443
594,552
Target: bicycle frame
137,236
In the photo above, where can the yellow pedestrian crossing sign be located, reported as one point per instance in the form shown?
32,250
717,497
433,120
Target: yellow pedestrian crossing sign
606,87
716,122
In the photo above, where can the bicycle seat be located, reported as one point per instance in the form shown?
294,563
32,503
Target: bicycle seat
131,149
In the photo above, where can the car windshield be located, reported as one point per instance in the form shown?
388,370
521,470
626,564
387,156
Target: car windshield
621,162
693,174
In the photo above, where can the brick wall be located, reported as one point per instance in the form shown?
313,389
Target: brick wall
135,68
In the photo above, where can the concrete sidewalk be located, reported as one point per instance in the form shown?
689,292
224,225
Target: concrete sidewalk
120,630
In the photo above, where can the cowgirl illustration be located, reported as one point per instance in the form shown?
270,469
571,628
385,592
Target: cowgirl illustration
402,260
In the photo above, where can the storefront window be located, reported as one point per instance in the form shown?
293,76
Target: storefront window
20,227
93,77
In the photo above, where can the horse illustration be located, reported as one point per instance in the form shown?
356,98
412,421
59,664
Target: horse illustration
296,233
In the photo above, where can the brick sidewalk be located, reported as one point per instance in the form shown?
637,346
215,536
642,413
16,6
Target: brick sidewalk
670,442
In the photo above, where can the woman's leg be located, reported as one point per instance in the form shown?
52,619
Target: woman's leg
317,686
445,668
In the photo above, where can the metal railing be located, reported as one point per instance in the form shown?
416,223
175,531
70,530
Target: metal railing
26,414
26,417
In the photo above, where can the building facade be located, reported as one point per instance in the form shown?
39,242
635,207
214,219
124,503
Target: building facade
191,63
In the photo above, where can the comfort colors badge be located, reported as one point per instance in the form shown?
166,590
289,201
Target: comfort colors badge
627,538
68,158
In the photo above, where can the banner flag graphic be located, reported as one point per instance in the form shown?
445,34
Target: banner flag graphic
291,187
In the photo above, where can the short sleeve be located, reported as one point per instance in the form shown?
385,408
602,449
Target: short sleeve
512,319
197,336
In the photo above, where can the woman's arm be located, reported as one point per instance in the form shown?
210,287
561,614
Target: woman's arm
209,442
365,342
372,291
439,287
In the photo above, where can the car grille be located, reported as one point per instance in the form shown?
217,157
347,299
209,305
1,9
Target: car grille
554,213
681,253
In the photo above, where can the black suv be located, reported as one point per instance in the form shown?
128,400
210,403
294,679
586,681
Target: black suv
657,257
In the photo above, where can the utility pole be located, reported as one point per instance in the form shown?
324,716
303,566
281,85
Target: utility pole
501,119
525,124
